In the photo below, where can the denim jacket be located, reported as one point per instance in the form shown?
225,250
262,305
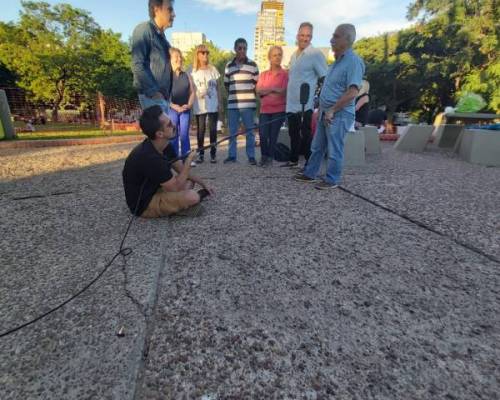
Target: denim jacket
151,60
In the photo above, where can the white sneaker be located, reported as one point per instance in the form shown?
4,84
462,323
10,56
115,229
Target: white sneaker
193,164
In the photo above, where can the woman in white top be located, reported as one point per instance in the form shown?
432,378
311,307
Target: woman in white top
207,100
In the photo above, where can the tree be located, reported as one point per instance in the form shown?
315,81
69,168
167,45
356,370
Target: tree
60,51
7,77
469,31
453,48
110,66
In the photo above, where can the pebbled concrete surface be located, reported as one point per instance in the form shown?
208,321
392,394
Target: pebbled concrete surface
278,292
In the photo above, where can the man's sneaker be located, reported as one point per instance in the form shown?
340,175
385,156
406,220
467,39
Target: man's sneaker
290,164
193,164
194,211
265,162
300,177
199,160
325,185
213,160
252,161
229,160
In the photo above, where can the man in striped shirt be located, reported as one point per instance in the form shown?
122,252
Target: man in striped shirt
240,79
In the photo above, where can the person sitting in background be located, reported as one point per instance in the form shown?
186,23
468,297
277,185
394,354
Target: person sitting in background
362,105
151,189
181,101
207,100
378,118
271,88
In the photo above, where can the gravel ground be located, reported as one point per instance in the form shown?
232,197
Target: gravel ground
278,291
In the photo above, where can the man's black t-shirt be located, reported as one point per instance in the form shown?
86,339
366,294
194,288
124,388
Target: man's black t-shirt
145,164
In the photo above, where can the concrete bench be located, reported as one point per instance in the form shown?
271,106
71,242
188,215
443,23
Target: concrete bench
415,139
354,149
446,136
372,140
480,146
354,146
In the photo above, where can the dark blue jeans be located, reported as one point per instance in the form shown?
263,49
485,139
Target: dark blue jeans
181,122
269,133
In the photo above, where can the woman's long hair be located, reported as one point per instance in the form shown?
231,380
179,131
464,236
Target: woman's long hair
196,63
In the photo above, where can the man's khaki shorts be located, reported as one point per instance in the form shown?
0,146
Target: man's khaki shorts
165,203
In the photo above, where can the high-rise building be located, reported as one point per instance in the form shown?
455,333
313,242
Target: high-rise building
269,30
185,41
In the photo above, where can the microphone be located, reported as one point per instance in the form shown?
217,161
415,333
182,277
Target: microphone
304,93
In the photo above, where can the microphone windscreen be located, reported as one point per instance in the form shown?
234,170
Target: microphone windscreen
304,93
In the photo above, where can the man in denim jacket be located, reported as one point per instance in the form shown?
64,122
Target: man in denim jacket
151,57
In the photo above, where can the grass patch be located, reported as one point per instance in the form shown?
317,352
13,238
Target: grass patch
75,134
59,126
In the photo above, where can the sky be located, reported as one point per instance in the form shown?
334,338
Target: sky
223,21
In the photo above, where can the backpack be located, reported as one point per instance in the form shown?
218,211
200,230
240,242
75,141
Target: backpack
281,152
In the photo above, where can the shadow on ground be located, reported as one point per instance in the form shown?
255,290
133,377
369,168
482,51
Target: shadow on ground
278,291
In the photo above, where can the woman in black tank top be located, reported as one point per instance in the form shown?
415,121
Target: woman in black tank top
181,102
362,104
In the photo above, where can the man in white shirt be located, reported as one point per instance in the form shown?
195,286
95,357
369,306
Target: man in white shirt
307,65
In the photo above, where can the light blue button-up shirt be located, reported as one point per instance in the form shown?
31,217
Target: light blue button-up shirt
345,72
308,67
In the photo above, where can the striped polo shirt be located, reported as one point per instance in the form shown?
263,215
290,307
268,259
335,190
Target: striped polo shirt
240,81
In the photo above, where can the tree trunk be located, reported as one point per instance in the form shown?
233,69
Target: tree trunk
60,86
55,113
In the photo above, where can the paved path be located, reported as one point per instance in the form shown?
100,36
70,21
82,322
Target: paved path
279,291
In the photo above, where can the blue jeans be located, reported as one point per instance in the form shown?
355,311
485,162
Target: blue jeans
269,133
329,140
149,102
181,124
233,119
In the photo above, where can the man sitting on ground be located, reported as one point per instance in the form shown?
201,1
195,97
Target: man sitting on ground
151,189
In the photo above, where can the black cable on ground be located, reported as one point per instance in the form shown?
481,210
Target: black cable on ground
41,196
122,251
422,225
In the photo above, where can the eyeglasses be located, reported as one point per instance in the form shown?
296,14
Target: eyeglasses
204,52
241,48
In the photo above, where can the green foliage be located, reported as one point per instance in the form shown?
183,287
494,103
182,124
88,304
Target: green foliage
59,51
7,77
452,49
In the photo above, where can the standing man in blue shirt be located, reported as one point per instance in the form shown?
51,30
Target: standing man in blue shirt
336,110
151,57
